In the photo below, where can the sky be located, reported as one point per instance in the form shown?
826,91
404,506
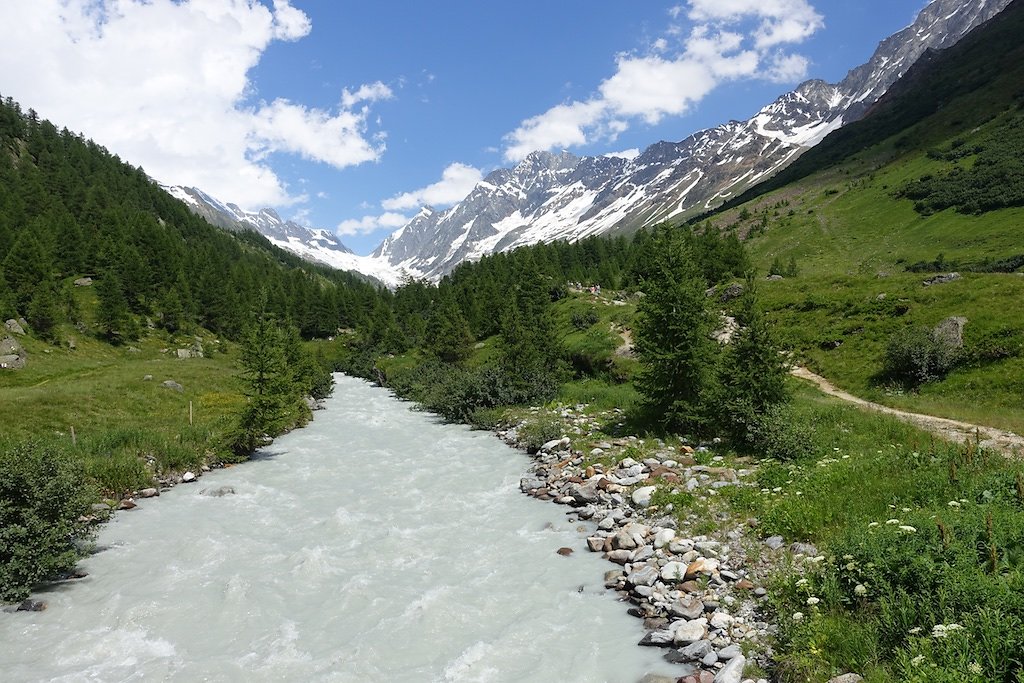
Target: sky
350,115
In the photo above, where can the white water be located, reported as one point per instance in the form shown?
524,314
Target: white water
373,545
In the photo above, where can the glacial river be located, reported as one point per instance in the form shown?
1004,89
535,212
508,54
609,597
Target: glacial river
376,544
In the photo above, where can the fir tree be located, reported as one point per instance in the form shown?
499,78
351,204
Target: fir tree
448,335
673,337
44,312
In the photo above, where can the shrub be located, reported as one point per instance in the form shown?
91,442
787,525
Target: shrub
582,320
775,433
536,433
917,355
42,496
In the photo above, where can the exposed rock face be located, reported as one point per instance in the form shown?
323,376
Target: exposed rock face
14,326
12,356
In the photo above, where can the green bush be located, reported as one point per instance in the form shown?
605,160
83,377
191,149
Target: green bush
776,433
917,355
536,433
583,320
42,496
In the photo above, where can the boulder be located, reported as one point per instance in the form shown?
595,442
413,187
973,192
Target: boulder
729,653
83,282
687,632
941,279
148,493
31,606
687,607
733,291
565,551
645,575
846,678
696,650
218,492
188,477
733,671
642,496
14,326
950,332
171,384
673,571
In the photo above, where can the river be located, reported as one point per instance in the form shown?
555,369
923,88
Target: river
376,544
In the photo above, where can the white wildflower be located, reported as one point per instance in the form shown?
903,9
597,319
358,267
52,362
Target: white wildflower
860,590
892,521
802,582
847,557
974,668
953,503
914,631
798,616
812,601
918,660
872,525
907,528
905,509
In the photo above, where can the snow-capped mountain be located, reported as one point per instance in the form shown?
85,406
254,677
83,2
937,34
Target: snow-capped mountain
549,196
312,244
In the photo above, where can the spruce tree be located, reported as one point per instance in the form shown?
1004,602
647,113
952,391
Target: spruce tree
44,311
448,336
673,337
753,376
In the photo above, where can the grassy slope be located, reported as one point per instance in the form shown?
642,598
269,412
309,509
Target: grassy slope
852,239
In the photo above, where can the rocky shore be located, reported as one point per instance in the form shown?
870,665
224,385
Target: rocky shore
695,579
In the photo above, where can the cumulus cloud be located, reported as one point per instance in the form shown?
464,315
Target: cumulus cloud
370,224
456,182
165,84
724,40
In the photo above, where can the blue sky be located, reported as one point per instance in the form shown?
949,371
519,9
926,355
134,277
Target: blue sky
347,115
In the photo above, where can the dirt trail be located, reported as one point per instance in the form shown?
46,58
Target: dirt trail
951,430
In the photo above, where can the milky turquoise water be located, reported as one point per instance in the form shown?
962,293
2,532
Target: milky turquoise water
374,545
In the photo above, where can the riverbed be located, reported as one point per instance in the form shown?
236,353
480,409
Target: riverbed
376,544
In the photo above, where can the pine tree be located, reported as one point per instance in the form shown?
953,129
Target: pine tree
112,315
753,376
44,312
268,382
673,337
448,336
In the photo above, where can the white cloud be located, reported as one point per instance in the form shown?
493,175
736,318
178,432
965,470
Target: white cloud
165,84
726,40
456,182
369,224
627,154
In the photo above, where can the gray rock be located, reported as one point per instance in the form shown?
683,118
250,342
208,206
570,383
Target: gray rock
531,482
941,279
551,445
147,378
657,678
31,606
83,282
730,652
687,607
218,492
696,650
733,291
15,327
690,631
642,496
950,332
659,638
11,362
733,671
148,493
188,477
709,659
171,384
846,678
803,549
774,278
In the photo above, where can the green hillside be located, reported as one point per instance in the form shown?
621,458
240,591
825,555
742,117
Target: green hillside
932,181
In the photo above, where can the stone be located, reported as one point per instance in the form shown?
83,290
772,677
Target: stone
733,291
645,575
733,671
774,542
148,493
31,606
721,620
659,638
710,659
14,326
586,494
606,524
703,565
687,607
730,652
690,631
623,540
188,477
941,279
673,571
126,504
657,678
803,549
846,678
774,278
664,537
83,282
531,483
620,556
642,496
595,544
218,492
551,445
696,650
950,332
564,551
147,378
171,384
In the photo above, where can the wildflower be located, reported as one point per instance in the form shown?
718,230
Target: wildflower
815,560
905,509
918,660
798,616
802,582
850,566
847,557
892,521
974,668
846,457
872,525
914,631
953,503
860,590
812,601
907,528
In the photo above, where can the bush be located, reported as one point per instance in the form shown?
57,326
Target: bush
917,355
536,433
776,433
583,320
42,496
